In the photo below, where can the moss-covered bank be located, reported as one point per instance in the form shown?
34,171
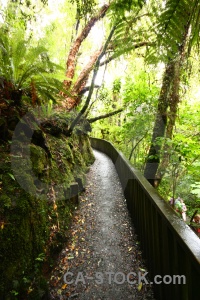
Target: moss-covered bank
35,209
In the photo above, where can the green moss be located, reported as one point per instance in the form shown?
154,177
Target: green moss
28,220
24,236
38,158
5,201
86,150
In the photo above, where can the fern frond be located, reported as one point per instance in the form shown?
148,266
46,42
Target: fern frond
178,23
28,68
130,32
49,89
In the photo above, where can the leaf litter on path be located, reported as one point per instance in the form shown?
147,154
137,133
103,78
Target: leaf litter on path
102,242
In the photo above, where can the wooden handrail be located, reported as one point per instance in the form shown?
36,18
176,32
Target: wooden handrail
169,245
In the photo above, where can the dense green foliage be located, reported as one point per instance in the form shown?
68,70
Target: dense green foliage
25,68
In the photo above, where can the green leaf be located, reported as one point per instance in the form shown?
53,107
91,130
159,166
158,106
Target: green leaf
11,175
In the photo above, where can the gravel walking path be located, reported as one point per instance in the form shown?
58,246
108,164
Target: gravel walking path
102,259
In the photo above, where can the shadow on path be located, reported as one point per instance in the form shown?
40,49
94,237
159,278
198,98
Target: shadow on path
102,260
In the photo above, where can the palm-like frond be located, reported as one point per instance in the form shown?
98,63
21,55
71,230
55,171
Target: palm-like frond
195,22
21,64
176,21
131,33
49,88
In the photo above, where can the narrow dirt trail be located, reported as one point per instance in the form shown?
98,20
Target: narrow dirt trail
102,259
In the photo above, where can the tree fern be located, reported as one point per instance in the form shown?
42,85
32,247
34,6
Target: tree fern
175,19
21,64
131,32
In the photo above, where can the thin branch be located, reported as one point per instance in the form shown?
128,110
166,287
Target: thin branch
87,88
97,92
132,150
141,44
92,120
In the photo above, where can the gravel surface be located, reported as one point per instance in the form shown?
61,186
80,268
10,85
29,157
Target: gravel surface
103,256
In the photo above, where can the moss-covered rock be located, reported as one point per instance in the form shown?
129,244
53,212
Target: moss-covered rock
35,210
38,158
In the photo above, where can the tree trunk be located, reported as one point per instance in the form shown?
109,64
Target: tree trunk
174,99
165,120
171,119
81,82
153,160
71,61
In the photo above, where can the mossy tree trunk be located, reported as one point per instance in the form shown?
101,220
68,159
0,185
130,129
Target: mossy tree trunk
152,161
166,116
76,88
